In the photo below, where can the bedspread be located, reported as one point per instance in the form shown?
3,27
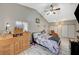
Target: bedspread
50,44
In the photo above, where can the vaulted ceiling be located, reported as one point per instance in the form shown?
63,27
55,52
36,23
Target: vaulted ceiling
66,11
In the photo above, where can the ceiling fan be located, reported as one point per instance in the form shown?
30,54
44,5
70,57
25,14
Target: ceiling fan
51,9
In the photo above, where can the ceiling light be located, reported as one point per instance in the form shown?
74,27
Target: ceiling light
51,9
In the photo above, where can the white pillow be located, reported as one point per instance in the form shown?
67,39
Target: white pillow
36,35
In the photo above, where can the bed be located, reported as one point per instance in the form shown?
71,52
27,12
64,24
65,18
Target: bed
43,40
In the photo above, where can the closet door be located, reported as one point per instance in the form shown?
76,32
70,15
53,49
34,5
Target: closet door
71,31
51,27
65,31
55,29
59,31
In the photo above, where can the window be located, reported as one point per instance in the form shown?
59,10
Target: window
25,26
22,25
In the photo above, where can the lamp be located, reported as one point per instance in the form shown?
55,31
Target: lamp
7,26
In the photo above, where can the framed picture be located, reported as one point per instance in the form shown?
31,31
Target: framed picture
37,20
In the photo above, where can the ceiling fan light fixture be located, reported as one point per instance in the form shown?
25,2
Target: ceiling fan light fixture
54,12
51,7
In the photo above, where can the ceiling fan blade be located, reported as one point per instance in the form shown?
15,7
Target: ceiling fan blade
56,9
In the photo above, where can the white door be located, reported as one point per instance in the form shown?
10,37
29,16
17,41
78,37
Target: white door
71,31
65,31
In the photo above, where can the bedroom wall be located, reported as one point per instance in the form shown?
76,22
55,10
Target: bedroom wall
10,13
65,29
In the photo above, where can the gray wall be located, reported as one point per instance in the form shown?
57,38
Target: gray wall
12,12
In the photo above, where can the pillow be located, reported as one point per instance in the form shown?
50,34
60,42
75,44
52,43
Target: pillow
36,35
44,36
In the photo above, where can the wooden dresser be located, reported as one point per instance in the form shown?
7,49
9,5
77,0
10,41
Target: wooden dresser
10,45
